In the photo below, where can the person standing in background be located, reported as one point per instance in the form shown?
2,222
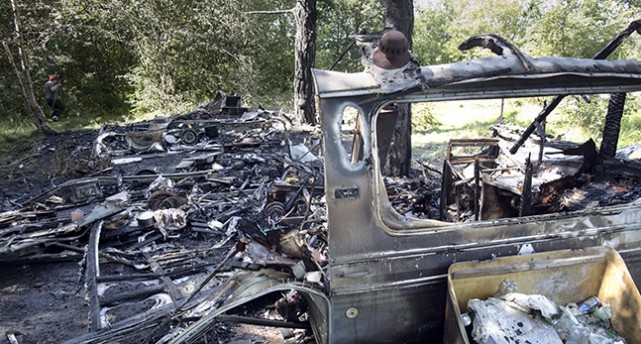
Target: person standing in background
52,90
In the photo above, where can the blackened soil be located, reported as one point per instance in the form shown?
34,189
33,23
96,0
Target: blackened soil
41,303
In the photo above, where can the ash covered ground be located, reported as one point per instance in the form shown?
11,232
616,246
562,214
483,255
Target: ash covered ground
230,166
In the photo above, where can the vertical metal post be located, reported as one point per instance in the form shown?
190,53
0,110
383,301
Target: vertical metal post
542,145
446,182
526,193
477,188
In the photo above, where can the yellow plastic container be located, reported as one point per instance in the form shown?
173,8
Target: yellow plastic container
563,276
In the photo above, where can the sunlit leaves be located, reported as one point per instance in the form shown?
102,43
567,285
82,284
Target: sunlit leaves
577,28
338,21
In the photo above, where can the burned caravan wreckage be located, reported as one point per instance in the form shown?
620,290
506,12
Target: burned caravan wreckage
385,281
373,273
387,272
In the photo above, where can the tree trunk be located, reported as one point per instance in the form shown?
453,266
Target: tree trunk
305,15
34,111
612,126
399,14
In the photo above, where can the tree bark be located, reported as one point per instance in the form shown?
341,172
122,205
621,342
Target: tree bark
34,111
612,126
399,15
305,55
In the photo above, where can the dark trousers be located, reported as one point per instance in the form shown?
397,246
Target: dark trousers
56,105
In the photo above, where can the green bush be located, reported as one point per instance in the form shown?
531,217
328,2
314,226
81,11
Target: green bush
590,117
424,117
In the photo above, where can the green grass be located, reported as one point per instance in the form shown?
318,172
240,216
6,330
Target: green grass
16,135
472,119
19,137
463,119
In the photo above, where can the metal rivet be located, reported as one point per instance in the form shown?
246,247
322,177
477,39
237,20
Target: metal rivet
351,312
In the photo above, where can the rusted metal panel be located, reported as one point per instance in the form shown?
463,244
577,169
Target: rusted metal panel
387,271
498,75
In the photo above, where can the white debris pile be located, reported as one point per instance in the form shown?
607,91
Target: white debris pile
512,317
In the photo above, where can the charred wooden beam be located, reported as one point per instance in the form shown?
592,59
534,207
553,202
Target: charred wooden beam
446,182
107,256
41,258
612,127
540,128
105,181
168,283
194,269
211,276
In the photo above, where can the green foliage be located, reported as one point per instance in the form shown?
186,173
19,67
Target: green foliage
183,51
89,60
424,117
11,103
575,111
577,28
271,76
14,127
631,122
338,21
125,58
432,39
445,24
580,28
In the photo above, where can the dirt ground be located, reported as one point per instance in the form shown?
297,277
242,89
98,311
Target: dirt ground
41,303
44,304
44,301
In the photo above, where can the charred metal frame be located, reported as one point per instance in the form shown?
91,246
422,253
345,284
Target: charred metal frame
448,184
387,272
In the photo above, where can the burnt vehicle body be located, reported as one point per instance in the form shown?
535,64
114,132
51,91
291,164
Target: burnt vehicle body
387,272
386,277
